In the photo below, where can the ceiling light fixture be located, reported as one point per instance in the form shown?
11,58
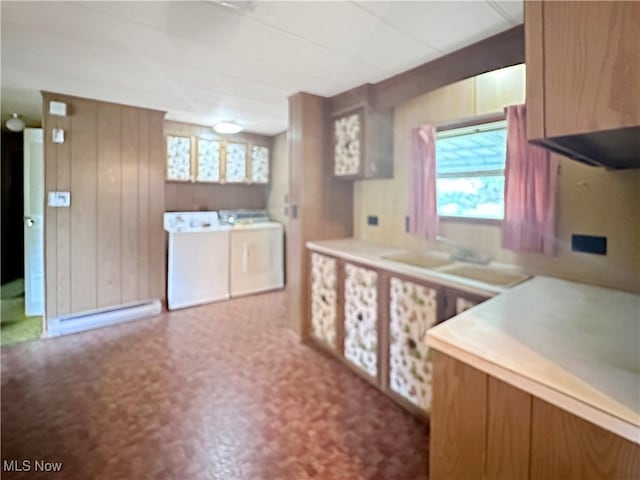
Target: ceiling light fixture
15,123
227,128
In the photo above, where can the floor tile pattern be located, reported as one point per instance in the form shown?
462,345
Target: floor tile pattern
222,391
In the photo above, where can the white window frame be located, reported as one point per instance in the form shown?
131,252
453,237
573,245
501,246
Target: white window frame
478,124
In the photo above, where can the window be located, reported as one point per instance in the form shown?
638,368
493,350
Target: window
470,171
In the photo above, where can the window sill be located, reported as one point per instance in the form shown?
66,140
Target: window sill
472,220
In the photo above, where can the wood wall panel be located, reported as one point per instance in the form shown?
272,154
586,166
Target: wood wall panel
508,432
157,175
84,206
458,419
108,247
50,219
204,196
324,204
144,160
568,447
109,204
129,206
63,223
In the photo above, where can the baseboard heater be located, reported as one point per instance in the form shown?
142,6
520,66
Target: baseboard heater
73,323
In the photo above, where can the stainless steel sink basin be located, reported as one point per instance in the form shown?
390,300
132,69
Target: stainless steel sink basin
485,273
419,259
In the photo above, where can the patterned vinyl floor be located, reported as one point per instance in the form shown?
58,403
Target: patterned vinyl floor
222,391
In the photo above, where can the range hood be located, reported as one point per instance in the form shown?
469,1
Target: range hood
616,149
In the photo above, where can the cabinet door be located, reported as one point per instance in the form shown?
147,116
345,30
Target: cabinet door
208,160
413,308
591,66
348,145
361,318
178,158
236,162
259,164
324,299
457,301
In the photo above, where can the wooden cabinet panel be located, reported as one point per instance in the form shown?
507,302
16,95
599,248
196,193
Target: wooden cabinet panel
362,137
534,40
583,67
508,428
413,308
591,66
324,296
361,318
458,420
565,446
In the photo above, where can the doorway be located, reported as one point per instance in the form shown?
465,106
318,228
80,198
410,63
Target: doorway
22,197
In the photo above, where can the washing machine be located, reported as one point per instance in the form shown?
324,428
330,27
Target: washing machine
256,261
198,259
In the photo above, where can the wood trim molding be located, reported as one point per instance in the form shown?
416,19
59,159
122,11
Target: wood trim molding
502,50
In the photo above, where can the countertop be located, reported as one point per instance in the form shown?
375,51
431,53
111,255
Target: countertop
573,345
370,253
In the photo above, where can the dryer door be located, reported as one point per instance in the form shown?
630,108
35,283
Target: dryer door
256,259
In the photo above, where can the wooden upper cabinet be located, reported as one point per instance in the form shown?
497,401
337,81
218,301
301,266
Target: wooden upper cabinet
195,154
362,139
348,145
583,66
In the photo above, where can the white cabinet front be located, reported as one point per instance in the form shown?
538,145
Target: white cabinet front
413,308
361,318
324,297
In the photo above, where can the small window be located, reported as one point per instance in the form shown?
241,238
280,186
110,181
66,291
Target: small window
470,171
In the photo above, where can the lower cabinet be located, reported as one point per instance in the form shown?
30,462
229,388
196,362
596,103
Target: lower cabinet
361,318
375,322
482,427
413,308
324,298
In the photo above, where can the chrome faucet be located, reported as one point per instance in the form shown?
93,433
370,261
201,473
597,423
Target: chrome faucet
464,254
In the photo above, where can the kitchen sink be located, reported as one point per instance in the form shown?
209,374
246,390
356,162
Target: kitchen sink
419,259
485,273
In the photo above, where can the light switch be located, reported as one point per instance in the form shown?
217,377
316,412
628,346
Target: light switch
57,135
59,199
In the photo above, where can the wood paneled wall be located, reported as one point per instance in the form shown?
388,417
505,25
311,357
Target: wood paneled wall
321,206
186,196
108,248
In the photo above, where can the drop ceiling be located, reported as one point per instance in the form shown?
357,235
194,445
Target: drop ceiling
205,62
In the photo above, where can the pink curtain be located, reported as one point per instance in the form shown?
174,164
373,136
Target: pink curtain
529,192
423,215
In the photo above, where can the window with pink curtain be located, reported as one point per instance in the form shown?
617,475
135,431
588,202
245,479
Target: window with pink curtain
530,190
423,215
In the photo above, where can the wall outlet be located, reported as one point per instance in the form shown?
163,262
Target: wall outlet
589,244
59,199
